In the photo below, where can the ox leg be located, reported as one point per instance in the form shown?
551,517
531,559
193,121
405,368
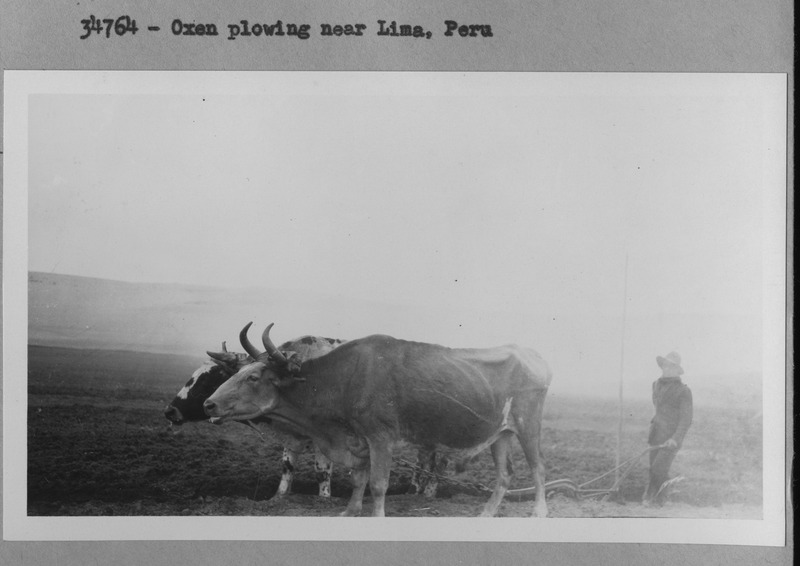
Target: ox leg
416,477
324,468
438,467
287,470
530,438
500,451
380,456
540,508
421,477
359,478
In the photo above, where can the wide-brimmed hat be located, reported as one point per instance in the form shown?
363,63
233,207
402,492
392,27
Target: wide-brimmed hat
672,359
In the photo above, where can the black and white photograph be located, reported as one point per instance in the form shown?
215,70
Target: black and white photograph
457,306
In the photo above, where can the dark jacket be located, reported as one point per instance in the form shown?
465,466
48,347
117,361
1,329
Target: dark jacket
673,403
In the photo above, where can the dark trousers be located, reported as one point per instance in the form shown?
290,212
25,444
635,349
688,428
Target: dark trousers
660,461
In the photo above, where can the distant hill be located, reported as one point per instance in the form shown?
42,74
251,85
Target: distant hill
84,312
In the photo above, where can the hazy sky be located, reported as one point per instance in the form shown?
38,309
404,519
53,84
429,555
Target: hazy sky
487,191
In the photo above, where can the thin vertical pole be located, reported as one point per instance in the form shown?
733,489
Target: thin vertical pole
621,371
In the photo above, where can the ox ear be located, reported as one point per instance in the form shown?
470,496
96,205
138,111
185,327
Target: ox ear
224,359
293,367
289,360
293,362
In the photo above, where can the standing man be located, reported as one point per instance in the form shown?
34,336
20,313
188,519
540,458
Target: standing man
673,404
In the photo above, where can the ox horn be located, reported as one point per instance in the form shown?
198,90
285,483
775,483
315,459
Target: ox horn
276,354
248,347
223,358
217,356
224,346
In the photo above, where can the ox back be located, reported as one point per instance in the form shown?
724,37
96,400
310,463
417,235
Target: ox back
424,393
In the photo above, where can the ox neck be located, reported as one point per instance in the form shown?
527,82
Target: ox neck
286,414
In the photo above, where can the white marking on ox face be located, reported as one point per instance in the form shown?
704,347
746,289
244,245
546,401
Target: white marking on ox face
184,392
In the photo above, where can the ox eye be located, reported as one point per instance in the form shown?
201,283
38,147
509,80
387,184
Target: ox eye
253,377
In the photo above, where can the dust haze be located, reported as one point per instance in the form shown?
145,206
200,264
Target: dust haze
82,312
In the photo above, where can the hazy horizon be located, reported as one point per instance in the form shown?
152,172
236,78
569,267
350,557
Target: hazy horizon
91,313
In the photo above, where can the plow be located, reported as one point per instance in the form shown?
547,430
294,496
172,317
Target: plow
584,490
565,486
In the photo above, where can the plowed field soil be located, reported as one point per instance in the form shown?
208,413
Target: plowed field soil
98,444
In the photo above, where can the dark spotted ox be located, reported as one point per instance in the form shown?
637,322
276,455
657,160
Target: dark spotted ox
188,403
364,397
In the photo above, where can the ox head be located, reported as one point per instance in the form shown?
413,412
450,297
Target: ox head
188,403
255,389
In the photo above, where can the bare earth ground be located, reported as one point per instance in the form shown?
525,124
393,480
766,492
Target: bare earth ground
300,505
98,444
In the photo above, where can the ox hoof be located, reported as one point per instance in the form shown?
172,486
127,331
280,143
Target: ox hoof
540,510
349,513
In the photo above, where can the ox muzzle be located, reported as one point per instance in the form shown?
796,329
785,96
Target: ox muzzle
210,407
173,414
